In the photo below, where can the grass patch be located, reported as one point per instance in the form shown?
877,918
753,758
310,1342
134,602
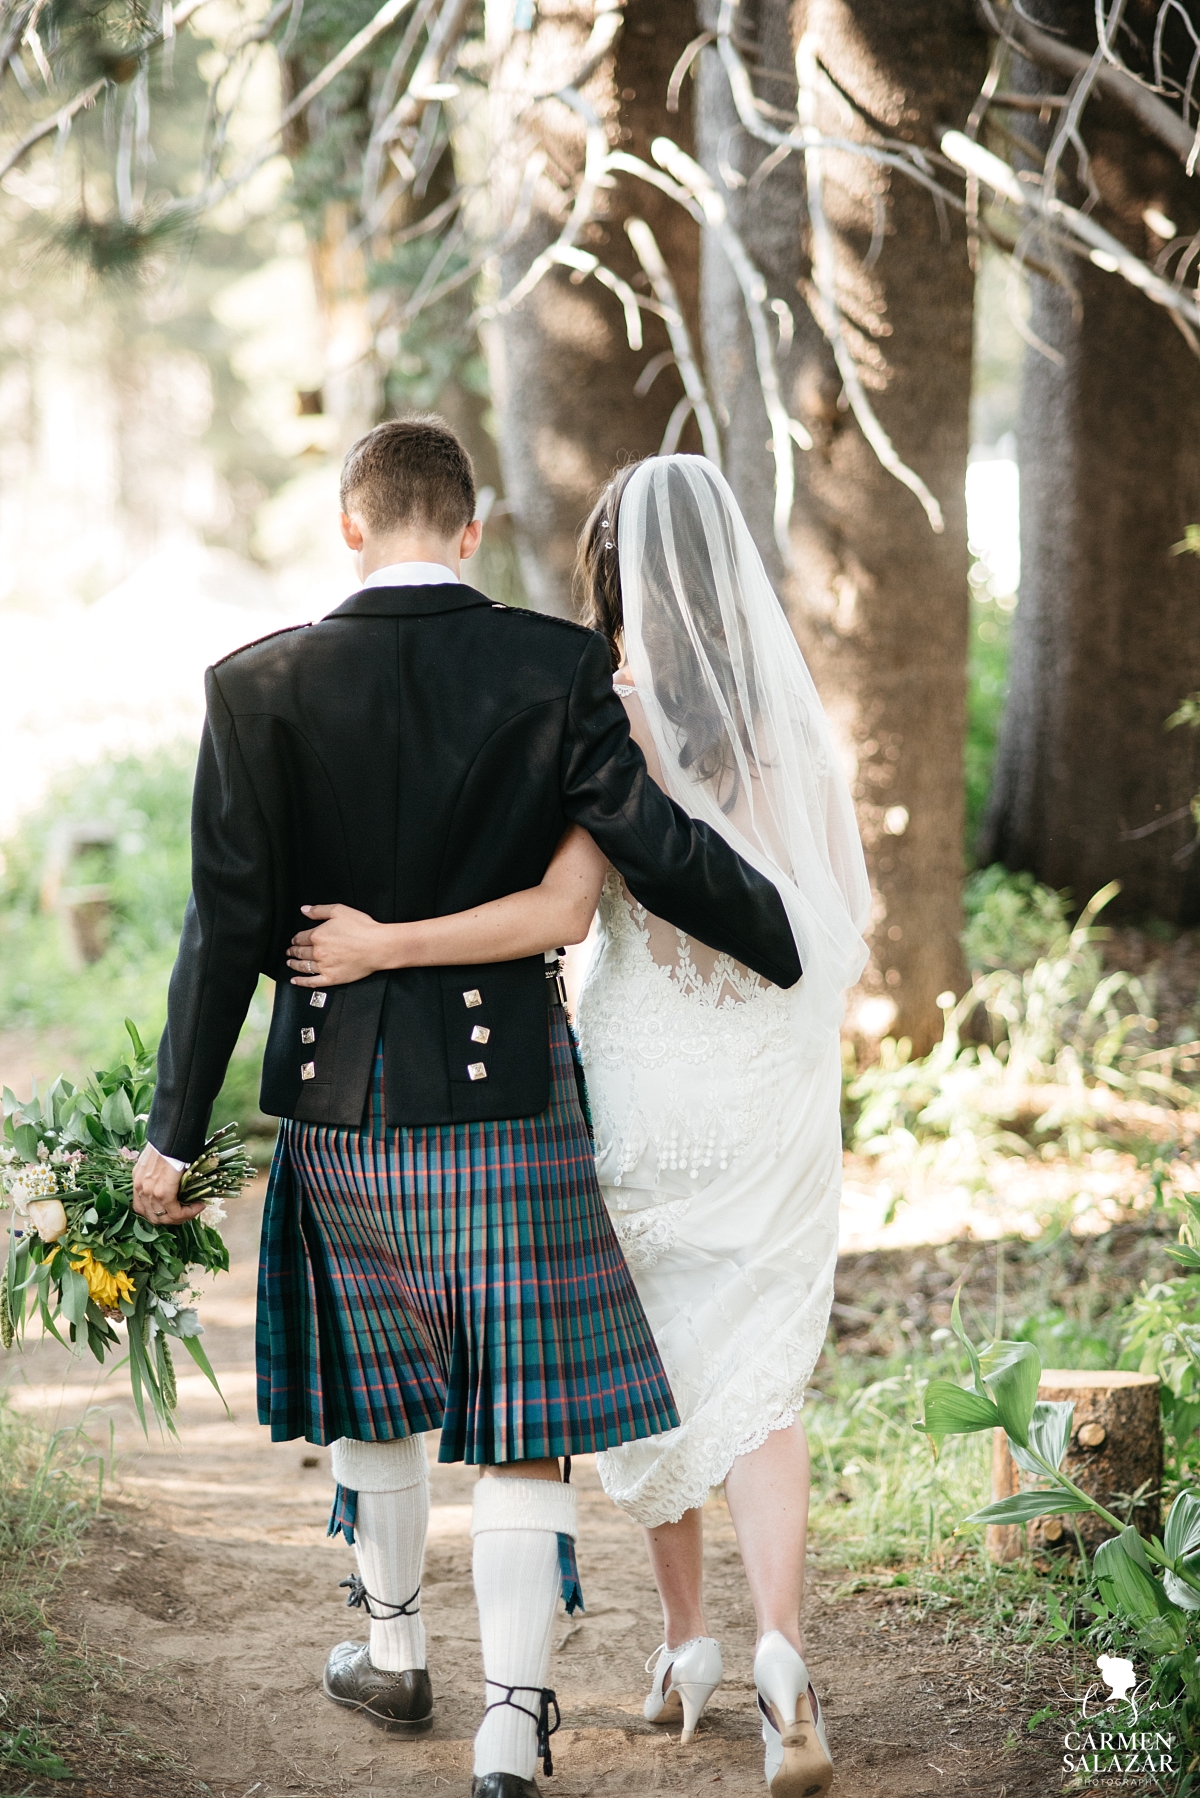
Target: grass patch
55,1733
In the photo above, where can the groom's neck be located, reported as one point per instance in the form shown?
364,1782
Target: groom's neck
407,546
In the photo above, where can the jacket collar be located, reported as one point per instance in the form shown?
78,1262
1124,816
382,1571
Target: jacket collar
409,602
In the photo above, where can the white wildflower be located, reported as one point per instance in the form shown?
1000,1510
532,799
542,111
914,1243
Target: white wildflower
39,1182
214,1213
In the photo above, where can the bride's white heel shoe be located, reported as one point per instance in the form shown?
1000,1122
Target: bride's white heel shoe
797,1759
695,1671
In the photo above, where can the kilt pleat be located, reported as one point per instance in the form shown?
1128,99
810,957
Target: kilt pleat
463,1277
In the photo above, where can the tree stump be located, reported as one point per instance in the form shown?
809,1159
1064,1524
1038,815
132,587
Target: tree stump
1115,1450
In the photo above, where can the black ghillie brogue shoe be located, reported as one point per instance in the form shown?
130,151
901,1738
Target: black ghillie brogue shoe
400,1702
504,1785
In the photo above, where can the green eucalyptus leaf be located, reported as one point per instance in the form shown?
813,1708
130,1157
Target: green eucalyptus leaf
74,1295
25,1140
1023,1507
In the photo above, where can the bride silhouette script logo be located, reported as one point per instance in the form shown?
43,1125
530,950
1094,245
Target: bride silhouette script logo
1107,1742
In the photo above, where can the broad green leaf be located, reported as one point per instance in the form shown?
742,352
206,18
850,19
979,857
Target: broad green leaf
1127,1587
1182,1534
74,1296
116,1113
195,1349
1181,1540
1011,1371
25,1141
1023,1507
1049,1433
957,1326
1182,1252
135,1039
949,1411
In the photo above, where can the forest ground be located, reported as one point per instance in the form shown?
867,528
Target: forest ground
210,1574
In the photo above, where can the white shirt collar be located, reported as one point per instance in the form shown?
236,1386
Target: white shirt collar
412,574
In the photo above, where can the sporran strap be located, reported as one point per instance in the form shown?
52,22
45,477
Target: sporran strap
360,1596
541,1717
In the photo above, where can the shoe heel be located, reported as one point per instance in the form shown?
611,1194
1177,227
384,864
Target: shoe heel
694,1694
798,1761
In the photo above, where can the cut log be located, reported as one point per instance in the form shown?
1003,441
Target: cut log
1115,1452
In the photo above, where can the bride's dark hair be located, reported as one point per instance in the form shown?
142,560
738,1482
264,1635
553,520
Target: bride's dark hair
682,690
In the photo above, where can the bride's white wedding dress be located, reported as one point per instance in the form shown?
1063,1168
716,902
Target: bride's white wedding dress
718,1150
715,1095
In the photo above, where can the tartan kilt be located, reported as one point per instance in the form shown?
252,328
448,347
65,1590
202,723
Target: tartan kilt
461,1277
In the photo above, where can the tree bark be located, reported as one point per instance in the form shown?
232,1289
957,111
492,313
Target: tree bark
877,600
1087,786
563,375
1115,1451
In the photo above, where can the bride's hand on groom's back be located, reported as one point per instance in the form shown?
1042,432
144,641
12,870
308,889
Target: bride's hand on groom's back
342,946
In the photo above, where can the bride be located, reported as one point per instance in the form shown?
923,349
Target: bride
714,1095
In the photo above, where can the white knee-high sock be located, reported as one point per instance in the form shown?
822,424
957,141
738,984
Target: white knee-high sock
516,1526
392,1482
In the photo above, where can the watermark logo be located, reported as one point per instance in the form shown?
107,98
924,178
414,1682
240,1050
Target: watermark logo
1107,1742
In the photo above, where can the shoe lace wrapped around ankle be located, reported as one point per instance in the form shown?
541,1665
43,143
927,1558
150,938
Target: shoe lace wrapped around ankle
387,1612
541,1717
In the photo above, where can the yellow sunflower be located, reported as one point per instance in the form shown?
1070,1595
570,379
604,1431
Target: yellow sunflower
105,1287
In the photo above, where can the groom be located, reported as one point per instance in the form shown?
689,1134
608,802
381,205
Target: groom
435,1248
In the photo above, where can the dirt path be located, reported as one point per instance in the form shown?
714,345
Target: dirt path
213,1576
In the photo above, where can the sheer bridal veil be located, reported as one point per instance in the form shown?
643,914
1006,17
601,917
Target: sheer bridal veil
735,717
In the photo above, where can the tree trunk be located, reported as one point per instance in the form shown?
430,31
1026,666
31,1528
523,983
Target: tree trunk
563,375
877,600
1115,1451
1087,785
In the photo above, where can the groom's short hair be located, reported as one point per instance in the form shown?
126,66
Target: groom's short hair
410,471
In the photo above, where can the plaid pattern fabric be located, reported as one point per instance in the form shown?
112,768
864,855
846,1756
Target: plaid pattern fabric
458,1276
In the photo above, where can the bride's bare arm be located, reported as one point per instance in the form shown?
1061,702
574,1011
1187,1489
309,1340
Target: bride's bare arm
346,945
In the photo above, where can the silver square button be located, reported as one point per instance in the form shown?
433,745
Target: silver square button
308,1070
476,1071
480,1034
308,1034
472,997
318,1000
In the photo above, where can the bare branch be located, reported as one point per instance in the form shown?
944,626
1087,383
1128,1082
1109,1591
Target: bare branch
708,205
60,120
1105,250
651,258
675,84
1048,53
824,263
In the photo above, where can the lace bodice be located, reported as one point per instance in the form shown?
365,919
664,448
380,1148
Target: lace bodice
654,999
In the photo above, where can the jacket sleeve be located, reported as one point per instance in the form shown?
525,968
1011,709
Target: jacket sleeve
225,939
676,866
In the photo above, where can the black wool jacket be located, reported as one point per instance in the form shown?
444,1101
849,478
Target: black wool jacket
419,751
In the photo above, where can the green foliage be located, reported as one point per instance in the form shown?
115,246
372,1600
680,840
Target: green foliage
1162,1331
79,1255
1065,1037
877,1495
1012,921
1148,1590
145,802
990,633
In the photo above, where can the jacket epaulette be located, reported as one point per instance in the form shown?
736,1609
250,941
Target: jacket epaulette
285,630
584,630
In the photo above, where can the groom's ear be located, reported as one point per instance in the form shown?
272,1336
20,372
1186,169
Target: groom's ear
352,535
469,541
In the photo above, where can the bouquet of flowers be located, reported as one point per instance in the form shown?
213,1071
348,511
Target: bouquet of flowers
80,1255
